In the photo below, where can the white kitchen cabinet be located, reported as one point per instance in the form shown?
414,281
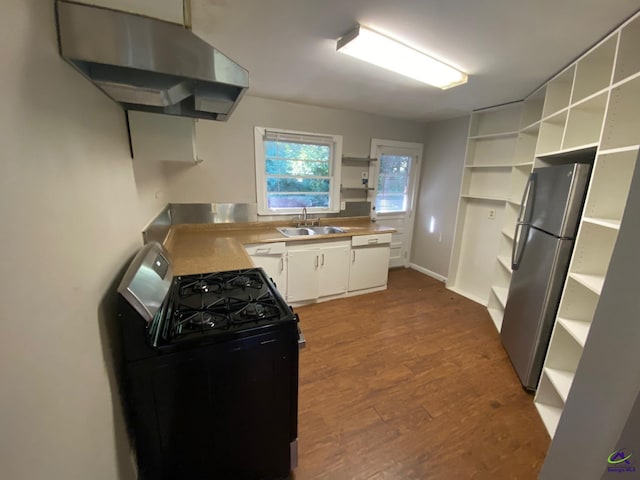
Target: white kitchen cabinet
272,258
369,261
161,137
167,10
317,270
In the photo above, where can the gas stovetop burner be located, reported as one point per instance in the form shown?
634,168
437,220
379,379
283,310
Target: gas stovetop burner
243,281
187,321
220,302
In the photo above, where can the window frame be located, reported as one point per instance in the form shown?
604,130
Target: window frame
261,176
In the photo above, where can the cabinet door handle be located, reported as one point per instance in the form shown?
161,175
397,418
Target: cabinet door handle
282,264
316,262
322,263
353,256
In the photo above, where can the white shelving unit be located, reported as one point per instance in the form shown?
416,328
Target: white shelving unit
351,187
605,115
521,165
590,109
492,144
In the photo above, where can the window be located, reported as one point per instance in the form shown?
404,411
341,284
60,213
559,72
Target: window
296,170
393,184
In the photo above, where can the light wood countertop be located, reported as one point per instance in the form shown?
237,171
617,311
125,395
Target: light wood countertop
200,248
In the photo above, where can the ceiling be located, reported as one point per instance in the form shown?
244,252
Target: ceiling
508,48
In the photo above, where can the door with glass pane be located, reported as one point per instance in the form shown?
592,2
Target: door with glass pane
395,181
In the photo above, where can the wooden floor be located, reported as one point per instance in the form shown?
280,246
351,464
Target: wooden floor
411,383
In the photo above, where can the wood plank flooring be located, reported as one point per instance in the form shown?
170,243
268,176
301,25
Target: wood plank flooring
411,383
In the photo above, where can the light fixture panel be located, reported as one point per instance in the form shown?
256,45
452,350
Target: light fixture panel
373,47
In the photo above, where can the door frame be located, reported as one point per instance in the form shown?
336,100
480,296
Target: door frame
378,143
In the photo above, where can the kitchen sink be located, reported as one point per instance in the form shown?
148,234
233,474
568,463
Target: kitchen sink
302,231
295,232
327,230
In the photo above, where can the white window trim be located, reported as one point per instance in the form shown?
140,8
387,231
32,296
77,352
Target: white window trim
261,190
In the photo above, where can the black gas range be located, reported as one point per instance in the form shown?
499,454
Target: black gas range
210,378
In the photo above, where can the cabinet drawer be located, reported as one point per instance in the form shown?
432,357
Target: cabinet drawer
375,239
276,248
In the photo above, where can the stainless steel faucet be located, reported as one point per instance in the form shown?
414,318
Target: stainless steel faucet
304,215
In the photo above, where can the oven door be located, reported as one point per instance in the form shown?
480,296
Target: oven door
227,410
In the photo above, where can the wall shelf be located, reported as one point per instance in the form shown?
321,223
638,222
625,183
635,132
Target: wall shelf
492,141
623,122
505,262
501,294
496,315
358,159
603,222
558,93
495,165
576,328
584,122
561,380
628,61
593,70
592,282
495,135
366,189
551,133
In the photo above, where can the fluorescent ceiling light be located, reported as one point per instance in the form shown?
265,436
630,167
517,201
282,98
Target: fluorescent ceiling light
373,47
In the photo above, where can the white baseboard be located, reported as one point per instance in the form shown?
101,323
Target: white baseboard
431,274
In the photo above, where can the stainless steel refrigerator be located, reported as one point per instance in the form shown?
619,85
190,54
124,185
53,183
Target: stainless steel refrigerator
544,238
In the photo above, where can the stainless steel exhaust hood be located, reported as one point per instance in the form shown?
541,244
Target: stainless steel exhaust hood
148,64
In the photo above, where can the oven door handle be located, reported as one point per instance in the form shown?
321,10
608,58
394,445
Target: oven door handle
302,342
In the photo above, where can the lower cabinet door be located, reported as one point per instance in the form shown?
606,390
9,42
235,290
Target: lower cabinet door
302,274
334,270
369,267
275,268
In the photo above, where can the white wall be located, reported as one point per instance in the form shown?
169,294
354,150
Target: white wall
438,195
71,209
227,173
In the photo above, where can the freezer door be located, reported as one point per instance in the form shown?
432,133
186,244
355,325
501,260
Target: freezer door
557,197
532,303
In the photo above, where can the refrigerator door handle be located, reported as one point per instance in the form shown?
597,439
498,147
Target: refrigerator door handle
525,195
517,249
515,263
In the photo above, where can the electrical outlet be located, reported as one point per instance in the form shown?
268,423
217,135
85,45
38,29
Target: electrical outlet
343,205
492,214
365,175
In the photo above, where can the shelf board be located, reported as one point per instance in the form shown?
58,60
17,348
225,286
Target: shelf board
592,282
604,222
490,165
484,197
359,159
576,328
508,234
532,127
609,151
368,189
566,150
494,135
496,315
561,380
506,263
501,294
591,96
550,416
522,164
